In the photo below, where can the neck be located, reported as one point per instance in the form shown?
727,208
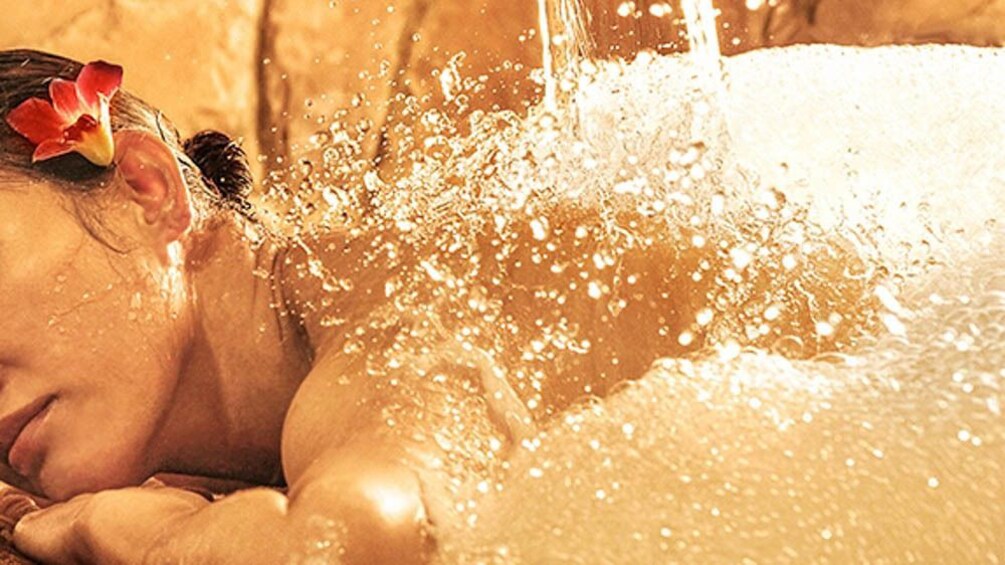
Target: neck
244,362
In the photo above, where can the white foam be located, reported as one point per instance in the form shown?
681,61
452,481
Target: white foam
878,127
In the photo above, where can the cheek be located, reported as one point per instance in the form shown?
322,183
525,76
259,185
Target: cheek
43,294
107,437
108,347
124,344
114,392
98,318
107,456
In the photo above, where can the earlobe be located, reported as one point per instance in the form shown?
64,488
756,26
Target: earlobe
153,180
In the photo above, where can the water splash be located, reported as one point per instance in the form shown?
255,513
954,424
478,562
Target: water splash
741,453
549,245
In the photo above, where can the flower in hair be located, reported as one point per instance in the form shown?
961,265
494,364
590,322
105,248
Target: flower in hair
77,119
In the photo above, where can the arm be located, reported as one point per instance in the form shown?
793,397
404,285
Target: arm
354,505
355,496
338,467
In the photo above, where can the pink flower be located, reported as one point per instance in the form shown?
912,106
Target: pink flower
77,119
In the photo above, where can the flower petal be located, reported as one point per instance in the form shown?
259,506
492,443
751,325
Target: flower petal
65,99
51,148
85,124
37,120
97,78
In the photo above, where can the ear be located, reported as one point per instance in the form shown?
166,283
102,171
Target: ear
154,182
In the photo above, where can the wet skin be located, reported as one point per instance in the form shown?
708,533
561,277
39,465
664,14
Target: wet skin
138,348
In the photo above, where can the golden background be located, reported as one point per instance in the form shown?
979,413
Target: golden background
262,70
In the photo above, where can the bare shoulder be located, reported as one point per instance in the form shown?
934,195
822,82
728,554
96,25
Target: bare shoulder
342,470
333,284
324,414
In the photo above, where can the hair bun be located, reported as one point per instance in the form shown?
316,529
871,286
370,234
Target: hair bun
223,164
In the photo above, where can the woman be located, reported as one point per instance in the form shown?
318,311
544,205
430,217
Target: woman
152,326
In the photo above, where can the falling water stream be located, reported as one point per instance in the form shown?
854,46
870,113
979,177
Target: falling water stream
703,40
547,60
562,25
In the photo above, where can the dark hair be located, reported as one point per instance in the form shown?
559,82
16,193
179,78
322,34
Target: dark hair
224,167
211,162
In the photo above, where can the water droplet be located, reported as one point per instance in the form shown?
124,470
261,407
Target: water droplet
824,329
628,429
626,9
539,228
704,317
685,338
741,258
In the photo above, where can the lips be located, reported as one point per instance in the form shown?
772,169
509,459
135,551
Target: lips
14,423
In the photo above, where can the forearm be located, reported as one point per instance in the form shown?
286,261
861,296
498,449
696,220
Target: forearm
357,511
251,526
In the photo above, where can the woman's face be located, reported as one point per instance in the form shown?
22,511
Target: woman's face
93,335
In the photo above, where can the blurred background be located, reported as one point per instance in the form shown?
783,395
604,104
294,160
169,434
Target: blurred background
275,73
